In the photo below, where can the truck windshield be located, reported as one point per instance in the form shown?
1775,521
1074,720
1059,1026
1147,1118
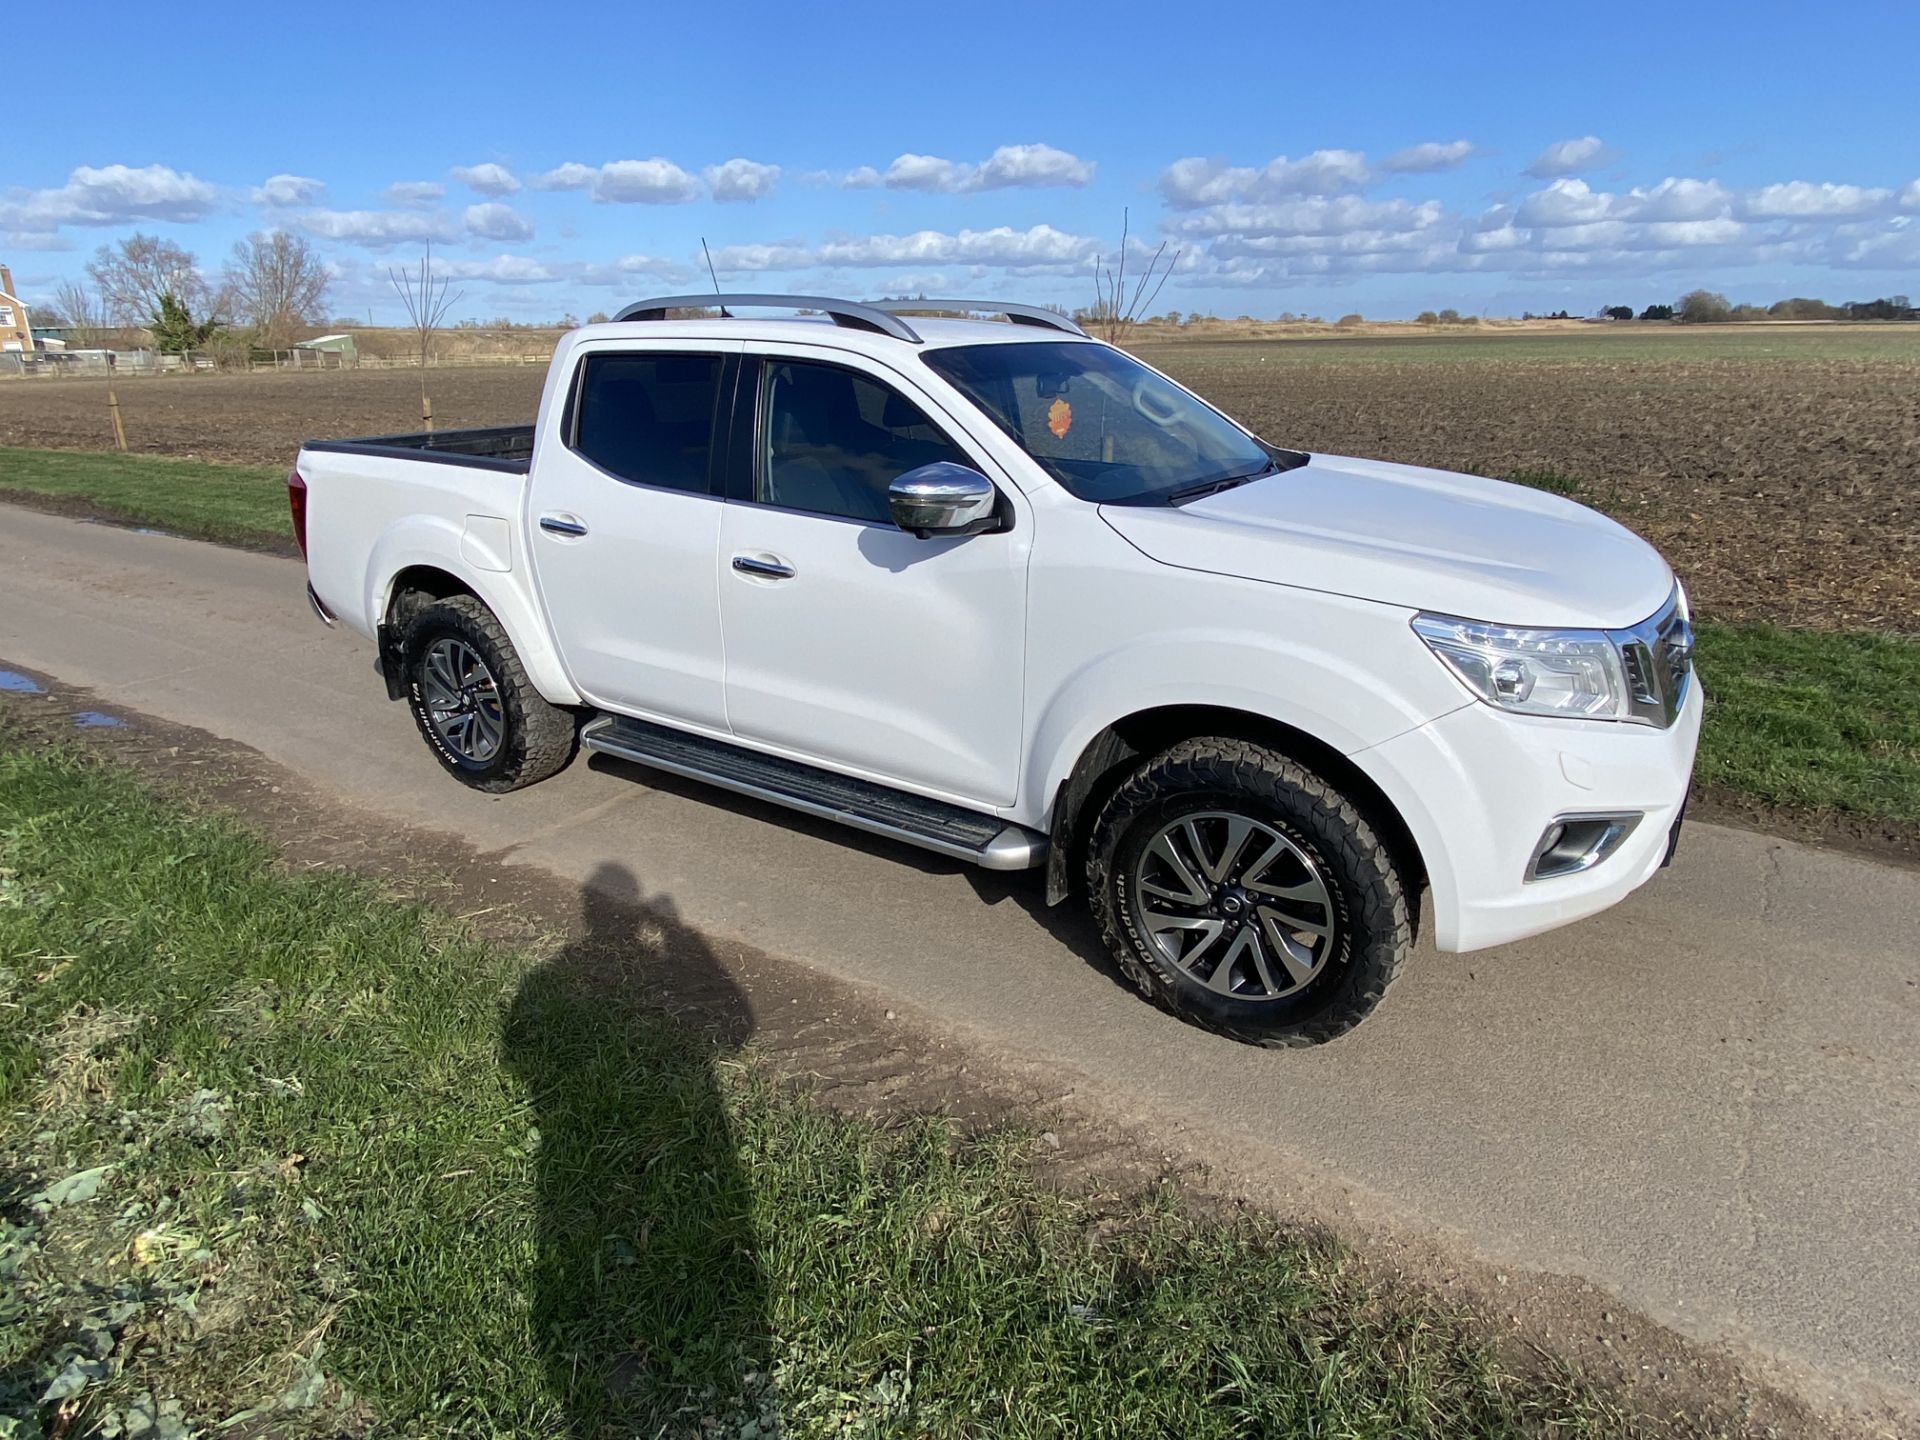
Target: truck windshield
1104,425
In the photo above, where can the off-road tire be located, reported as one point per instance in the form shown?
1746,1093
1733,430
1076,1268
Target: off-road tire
1374,932
540,737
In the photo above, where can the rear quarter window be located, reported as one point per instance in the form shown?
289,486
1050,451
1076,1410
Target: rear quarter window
649,419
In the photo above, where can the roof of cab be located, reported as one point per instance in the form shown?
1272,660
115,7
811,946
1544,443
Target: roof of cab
856,325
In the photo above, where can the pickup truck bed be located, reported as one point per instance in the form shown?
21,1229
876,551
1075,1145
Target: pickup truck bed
494,447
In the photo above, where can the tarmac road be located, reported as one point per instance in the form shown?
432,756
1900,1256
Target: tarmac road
1705,1101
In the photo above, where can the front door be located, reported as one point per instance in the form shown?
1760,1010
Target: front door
625,528
848,641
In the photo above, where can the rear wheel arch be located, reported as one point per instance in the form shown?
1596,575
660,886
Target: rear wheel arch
1116,750
408,593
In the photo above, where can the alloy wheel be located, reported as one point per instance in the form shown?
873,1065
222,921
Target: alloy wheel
463,699
1235,904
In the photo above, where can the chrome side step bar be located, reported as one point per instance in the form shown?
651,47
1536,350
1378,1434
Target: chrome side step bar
950,830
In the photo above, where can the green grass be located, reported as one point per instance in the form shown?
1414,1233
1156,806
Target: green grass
234,504
366,1174
1813,720
1596,344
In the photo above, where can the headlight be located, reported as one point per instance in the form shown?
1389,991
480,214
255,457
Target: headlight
1532,672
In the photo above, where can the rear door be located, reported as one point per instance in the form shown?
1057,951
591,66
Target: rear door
626,525
849,642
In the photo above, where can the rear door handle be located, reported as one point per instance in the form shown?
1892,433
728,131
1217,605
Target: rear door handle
562,525
766,567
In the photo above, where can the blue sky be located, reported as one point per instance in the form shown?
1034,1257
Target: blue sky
1382,158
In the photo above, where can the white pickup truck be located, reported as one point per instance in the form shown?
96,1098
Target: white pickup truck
999,590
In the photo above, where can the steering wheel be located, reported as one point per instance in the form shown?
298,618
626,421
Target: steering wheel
1150,405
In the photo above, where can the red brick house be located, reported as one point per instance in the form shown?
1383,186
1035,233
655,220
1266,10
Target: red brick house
14,334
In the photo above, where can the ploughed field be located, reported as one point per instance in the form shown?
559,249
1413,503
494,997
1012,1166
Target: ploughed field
1776,470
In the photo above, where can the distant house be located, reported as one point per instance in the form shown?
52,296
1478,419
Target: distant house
15,333
331,344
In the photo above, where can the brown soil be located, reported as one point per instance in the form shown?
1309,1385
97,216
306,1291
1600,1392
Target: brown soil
1782,491
854,1053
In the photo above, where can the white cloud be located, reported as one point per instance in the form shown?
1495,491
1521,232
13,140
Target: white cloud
1565,202
110,195
570,176
1039,249
1800,199
1194,182
631,268
281,191
741,180
626,182
488,178
376,229
494,221
416,193
1433,155
1009,167
1317,215
1910,197
1570,157
500,270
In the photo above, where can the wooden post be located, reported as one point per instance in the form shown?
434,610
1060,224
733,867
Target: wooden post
119,430
426,413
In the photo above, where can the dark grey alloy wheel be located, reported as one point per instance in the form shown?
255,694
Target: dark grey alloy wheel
481,716
1235,904
462,699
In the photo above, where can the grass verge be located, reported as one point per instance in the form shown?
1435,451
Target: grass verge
274,1146
1811,720
232,504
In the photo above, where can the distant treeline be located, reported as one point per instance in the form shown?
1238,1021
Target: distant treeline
1708,307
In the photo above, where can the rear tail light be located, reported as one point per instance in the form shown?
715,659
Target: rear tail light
297,503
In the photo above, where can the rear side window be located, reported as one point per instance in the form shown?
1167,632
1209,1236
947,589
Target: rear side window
649,418
834,440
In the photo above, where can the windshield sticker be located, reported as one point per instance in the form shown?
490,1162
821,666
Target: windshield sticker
1059,419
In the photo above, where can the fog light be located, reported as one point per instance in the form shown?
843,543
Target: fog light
1575,843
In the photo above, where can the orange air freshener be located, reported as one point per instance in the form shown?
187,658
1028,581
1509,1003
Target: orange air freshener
1059,419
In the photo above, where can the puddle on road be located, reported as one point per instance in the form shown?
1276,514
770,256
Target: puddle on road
19,684
130,529
96,720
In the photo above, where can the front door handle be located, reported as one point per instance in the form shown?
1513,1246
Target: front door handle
562,525
765,567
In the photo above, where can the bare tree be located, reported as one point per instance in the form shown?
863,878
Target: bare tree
277,284
85,316
133,275
427,299
1116,308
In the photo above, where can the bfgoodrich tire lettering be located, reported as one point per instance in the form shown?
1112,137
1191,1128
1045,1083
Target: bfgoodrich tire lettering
456,650
1205,788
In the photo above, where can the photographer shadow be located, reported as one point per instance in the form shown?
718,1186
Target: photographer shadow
647,1300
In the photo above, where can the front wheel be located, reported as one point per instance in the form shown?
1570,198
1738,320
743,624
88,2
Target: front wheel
1243,892
473,702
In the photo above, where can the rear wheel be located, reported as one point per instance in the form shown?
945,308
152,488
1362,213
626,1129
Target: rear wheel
1244,893
473,702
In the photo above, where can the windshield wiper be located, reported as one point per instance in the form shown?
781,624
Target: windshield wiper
1222,482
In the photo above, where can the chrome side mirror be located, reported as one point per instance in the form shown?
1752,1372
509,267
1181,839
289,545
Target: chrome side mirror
942,499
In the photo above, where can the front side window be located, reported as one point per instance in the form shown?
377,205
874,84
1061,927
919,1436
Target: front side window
1102,424
649,418
833,440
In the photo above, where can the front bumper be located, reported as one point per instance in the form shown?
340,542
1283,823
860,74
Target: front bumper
1477,787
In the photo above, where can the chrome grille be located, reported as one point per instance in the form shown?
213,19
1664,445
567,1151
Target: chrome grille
1657,655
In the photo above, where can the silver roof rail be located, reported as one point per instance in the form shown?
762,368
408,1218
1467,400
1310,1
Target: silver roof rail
1018,314
843,312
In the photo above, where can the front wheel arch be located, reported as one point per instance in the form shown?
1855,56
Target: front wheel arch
1113,752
